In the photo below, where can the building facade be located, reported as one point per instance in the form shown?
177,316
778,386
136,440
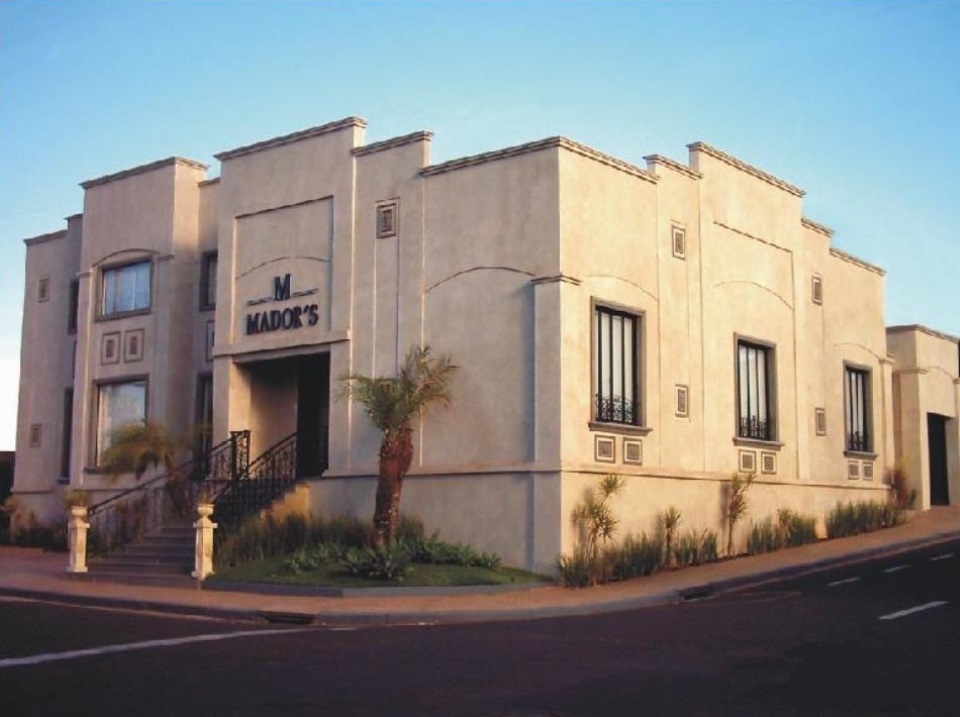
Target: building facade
674,323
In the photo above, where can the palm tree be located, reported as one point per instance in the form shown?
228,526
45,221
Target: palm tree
139,445
392,403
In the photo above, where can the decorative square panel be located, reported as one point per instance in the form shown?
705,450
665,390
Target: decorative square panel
853,470
632,451
866,470
768,462
110,348
36,435
133,345
605,449
683,401
43,290
820,421
679,242
387,219
816,289
748,461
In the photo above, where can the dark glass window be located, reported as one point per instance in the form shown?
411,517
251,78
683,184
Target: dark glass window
125,289
856,408
616,374
208,281
755,389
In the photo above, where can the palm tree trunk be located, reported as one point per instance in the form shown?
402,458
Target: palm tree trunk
396,454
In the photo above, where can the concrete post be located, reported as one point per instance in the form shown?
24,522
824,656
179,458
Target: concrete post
78,527
203,555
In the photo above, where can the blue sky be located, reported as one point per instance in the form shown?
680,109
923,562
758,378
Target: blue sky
856,102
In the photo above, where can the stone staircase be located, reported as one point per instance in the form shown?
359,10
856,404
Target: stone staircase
164,557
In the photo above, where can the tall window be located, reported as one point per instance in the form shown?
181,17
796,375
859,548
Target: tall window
125,289
208,280
119,404
66,439
856,408
616,374
755,389
73,306
204,420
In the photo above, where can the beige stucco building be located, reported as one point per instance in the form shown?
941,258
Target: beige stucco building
674,323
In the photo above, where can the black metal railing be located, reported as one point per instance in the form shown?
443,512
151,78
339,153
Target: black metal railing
132,513
265,480
857,441
616,409
758,428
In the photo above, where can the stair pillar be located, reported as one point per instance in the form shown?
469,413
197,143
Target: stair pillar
78,527
203,555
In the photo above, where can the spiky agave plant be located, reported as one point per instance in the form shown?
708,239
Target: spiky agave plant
138,446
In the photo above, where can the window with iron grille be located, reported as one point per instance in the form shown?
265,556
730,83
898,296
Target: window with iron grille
616,336
856,408
755,390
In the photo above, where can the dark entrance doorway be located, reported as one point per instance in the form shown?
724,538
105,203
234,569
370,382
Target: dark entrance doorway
937,440
313,413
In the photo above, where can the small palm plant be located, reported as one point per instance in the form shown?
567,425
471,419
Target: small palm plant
137,446
392,403
736,504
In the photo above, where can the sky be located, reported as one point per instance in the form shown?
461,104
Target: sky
857,102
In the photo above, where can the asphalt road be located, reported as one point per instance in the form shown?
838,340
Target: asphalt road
877,638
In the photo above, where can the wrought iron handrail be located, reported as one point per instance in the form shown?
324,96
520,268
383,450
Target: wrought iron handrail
265,479
135,511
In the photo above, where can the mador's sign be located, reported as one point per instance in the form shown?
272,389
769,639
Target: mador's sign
289,317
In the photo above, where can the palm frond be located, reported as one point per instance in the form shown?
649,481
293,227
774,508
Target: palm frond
391,402
134,447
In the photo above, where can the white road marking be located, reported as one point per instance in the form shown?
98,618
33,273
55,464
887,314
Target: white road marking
945,556
129,647
897,568
845,581
913,610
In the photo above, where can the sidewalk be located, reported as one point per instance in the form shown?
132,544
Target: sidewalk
31,573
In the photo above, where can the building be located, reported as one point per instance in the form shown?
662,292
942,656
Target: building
675,323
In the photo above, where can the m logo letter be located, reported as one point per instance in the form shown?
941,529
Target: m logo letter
281,288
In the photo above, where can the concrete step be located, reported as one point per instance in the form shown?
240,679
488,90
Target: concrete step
153,579
180,558
110,566
150,549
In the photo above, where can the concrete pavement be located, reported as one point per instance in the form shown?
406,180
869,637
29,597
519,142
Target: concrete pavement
31,573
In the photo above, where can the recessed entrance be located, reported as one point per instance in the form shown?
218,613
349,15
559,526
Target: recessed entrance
291,395
313,413
937,441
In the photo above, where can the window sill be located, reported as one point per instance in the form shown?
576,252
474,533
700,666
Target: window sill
757,443
863,455
620,428
122,315
207,307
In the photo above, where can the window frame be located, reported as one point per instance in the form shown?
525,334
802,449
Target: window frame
860,379
206,259
99,385
769,434
104,315
635,352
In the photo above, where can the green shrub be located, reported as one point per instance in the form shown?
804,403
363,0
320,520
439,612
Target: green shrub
796,529
863,517
695,548
576,570
390,562
764,538
639,556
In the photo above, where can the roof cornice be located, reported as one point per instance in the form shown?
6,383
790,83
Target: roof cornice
854,260
672,164
818,228
923,330
537,146
744,167
143,168
345,123
392,143
50,236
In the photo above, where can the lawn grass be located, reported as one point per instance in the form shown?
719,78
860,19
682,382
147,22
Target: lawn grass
271,570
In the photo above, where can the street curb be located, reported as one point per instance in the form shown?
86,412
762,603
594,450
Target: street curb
422,617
